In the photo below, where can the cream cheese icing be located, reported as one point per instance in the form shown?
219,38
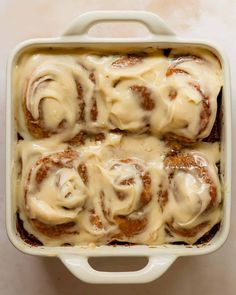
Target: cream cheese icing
125,177
128,185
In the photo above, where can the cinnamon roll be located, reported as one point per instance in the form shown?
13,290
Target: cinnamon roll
56,96
55,193
123,202
133,92
191,85
192,199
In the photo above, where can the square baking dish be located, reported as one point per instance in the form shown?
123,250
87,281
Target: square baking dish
75,258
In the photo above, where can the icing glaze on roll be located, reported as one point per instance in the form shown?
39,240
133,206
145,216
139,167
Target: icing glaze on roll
134,80
191,85
193,195
52,91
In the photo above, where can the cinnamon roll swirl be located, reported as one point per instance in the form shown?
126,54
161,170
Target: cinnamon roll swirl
123,201
133,92
55,93
191,85
193,196
55,193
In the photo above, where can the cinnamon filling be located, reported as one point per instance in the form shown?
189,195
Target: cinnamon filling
144,95
126,61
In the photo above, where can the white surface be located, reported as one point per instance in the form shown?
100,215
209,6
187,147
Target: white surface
20,20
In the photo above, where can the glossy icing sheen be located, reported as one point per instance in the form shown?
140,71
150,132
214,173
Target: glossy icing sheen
130,187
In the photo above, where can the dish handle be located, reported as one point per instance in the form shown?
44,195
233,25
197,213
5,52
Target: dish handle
79,266
81,24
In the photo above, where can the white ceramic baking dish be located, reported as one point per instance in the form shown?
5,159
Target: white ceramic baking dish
160,257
